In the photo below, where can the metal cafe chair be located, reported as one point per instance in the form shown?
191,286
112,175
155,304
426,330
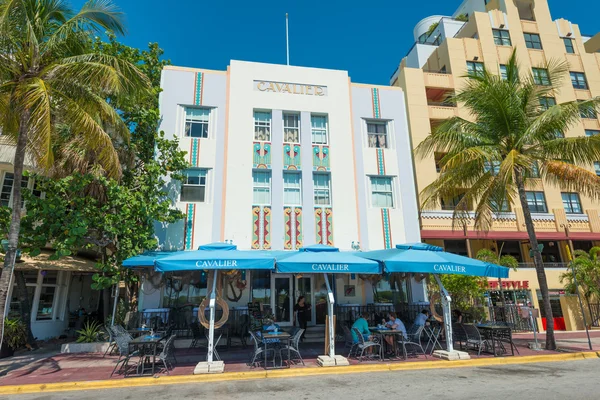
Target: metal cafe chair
293,347
168,352
366,344
412,339
257,354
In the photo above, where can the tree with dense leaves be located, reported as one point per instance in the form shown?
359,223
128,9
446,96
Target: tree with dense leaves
512,135
51,75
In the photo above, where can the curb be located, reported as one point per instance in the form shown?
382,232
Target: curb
288,373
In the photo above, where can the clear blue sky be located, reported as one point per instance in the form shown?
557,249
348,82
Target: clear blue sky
367,38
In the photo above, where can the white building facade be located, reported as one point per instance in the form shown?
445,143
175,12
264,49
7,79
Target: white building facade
283,157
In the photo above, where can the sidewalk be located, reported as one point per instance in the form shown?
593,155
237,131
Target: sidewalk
49,366
572,341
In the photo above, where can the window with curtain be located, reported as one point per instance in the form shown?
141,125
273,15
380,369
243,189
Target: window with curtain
262,126
261,188
196,122
377,134
382,192
291,128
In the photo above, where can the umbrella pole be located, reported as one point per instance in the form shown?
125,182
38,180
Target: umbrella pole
330,304
211,326
446,300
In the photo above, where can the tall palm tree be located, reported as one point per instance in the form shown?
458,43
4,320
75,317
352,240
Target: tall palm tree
49,76
510,137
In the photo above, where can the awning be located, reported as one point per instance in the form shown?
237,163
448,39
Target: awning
65,263
225,257
147,259
326,259
429,259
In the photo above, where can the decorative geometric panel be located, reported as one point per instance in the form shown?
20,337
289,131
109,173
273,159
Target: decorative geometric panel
198,88
194,152
324,225
261,228
321,158
380,162
387,230
292,222
188,233
291,156
262,155
375,100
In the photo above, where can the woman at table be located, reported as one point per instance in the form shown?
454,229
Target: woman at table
302,314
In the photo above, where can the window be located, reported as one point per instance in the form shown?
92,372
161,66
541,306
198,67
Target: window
569,45
377,134
322,189
451,203
7,186
535,171
547,102
499,205
194,185
382,194
578,80
475,68
261,289
48,293
536,202
540,76
532,41
501,37
318,125
503,72
261,188
591,132
291,128
571,203
597,167
292,192
438,157
31,278
196,122
587,112
262,126
559,135
492,166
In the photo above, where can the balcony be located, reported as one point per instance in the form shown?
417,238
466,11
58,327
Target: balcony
559,265
438,80
441,112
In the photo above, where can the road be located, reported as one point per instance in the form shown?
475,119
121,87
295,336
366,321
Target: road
547,381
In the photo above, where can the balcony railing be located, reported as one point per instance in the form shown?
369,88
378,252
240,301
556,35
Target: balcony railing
441,104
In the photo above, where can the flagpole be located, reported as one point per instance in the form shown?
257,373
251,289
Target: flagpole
287,41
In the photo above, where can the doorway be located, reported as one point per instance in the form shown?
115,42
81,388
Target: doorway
282,301
304,287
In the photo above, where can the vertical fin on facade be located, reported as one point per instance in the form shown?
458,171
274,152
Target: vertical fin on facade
387,231
198,88
194,152
380,162
261,228
292,219
375,101
291,156
324,225
188,234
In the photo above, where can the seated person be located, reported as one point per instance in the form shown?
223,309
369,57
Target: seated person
458,318
422,318
396,324
363,327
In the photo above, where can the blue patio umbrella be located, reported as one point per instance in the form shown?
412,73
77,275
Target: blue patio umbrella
146,259
325,259
216,256
429,259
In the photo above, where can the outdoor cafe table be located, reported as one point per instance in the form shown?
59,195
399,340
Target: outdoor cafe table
147,346
387,332
270,336
495,335
138,331
432,330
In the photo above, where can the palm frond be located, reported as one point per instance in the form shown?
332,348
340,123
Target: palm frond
573,178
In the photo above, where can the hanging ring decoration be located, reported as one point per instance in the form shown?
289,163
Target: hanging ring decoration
433,300
219,301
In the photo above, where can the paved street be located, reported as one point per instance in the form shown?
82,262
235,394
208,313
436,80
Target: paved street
547,381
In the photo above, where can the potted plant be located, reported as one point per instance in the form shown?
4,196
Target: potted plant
15,337
91,333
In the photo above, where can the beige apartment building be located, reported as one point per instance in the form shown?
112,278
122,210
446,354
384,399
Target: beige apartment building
484,33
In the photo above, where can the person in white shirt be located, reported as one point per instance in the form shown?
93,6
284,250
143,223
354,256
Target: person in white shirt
422,318
396,324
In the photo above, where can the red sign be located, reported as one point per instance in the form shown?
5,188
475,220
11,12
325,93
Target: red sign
507,285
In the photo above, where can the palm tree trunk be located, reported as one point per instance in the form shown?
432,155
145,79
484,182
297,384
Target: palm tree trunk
15,223
538,262
25,307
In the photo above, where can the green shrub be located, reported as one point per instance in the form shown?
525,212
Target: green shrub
92,332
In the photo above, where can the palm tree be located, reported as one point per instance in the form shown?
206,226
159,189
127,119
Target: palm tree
50,77
511,137
587,271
